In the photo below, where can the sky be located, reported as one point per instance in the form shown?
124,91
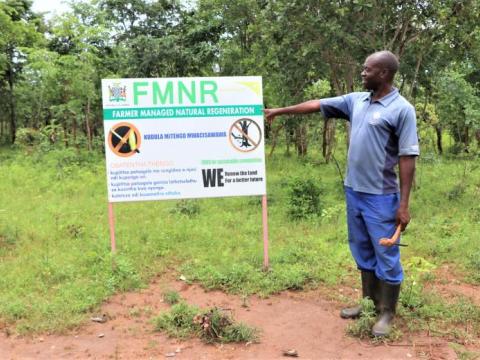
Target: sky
52,6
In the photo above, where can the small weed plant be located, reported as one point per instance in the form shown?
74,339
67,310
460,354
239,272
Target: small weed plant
211,325
362,327
171,297
417,269
178,322
474,264
217,326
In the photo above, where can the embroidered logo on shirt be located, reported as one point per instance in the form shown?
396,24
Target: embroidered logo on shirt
376,118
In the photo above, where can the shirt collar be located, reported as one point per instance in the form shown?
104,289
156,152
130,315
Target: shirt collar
387,99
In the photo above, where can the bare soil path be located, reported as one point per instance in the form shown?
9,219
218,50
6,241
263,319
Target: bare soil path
304,321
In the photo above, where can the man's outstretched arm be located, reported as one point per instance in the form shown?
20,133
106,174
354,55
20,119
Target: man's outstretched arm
306,107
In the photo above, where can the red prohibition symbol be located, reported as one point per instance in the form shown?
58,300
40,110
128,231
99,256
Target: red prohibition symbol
245,135
124,139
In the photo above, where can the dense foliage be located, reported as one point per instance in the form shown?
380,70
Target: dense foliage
50,70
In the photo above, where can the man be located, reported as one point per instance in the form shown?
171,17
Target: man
383,134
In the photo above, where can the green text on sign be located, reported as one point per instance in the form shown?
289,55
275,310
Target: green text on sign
178,92
182,112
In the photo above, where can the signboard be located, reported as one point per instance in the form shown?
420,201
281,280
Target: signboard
175,138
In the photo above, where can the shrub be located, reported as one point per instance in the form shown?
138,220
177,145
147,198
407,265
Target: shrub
186,207
28,137
304,199
457,191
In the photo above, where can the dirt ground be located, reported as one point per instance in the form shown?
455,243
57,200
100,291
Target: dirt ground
304,321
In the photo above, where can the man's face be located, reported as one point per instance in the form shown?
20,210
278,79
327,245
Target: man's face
372,74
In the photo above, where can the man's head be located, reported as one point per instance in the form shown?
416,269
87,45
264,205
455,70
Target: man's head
379,69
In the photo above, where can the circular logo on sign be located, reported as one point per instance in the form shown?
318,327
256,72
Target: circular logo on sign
245,135
124,139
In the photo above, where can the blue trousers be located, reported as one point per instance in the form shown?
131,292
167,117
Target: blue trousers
371,217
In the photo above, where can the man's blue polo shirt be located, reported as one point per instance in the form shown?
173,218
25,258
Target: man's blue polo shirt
381,131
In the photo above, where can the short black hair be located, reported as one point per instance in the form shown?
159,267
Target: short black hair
388,60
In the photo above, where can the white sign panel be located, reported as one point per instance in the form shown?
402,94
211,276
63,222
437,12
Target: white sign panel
175,138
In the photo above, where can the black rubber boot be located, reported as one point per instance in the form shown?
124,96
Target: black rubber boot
387,305
369,289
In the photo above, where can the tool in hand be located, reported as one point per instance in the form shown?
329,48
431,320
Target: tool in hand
393,240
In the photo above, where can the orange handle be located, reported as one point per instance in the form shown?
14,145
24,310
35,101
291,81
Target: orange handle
397,234
393,239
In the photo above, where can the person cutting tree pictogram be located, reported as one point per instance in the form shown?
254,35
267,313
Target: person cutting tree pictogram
245,137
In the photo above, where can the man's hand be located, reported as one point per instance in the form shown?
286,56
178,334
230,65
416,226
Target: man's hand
403,216
269,115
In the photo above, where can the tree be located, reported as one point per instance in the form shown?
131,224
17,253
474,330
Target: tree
20,28
458,105
162,38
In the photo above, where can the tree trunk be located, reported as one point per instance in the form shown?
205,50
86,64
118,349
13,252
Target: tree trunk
13,115
287,141
87,123
36,118
350,84
412,95
74,131
438,130
402,83
328,139
65,134
288,136
301,139
274,138
466,138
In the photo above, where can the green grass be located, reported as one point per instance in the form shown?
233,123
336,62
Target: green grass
464,354
171,297
55,256
446,213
